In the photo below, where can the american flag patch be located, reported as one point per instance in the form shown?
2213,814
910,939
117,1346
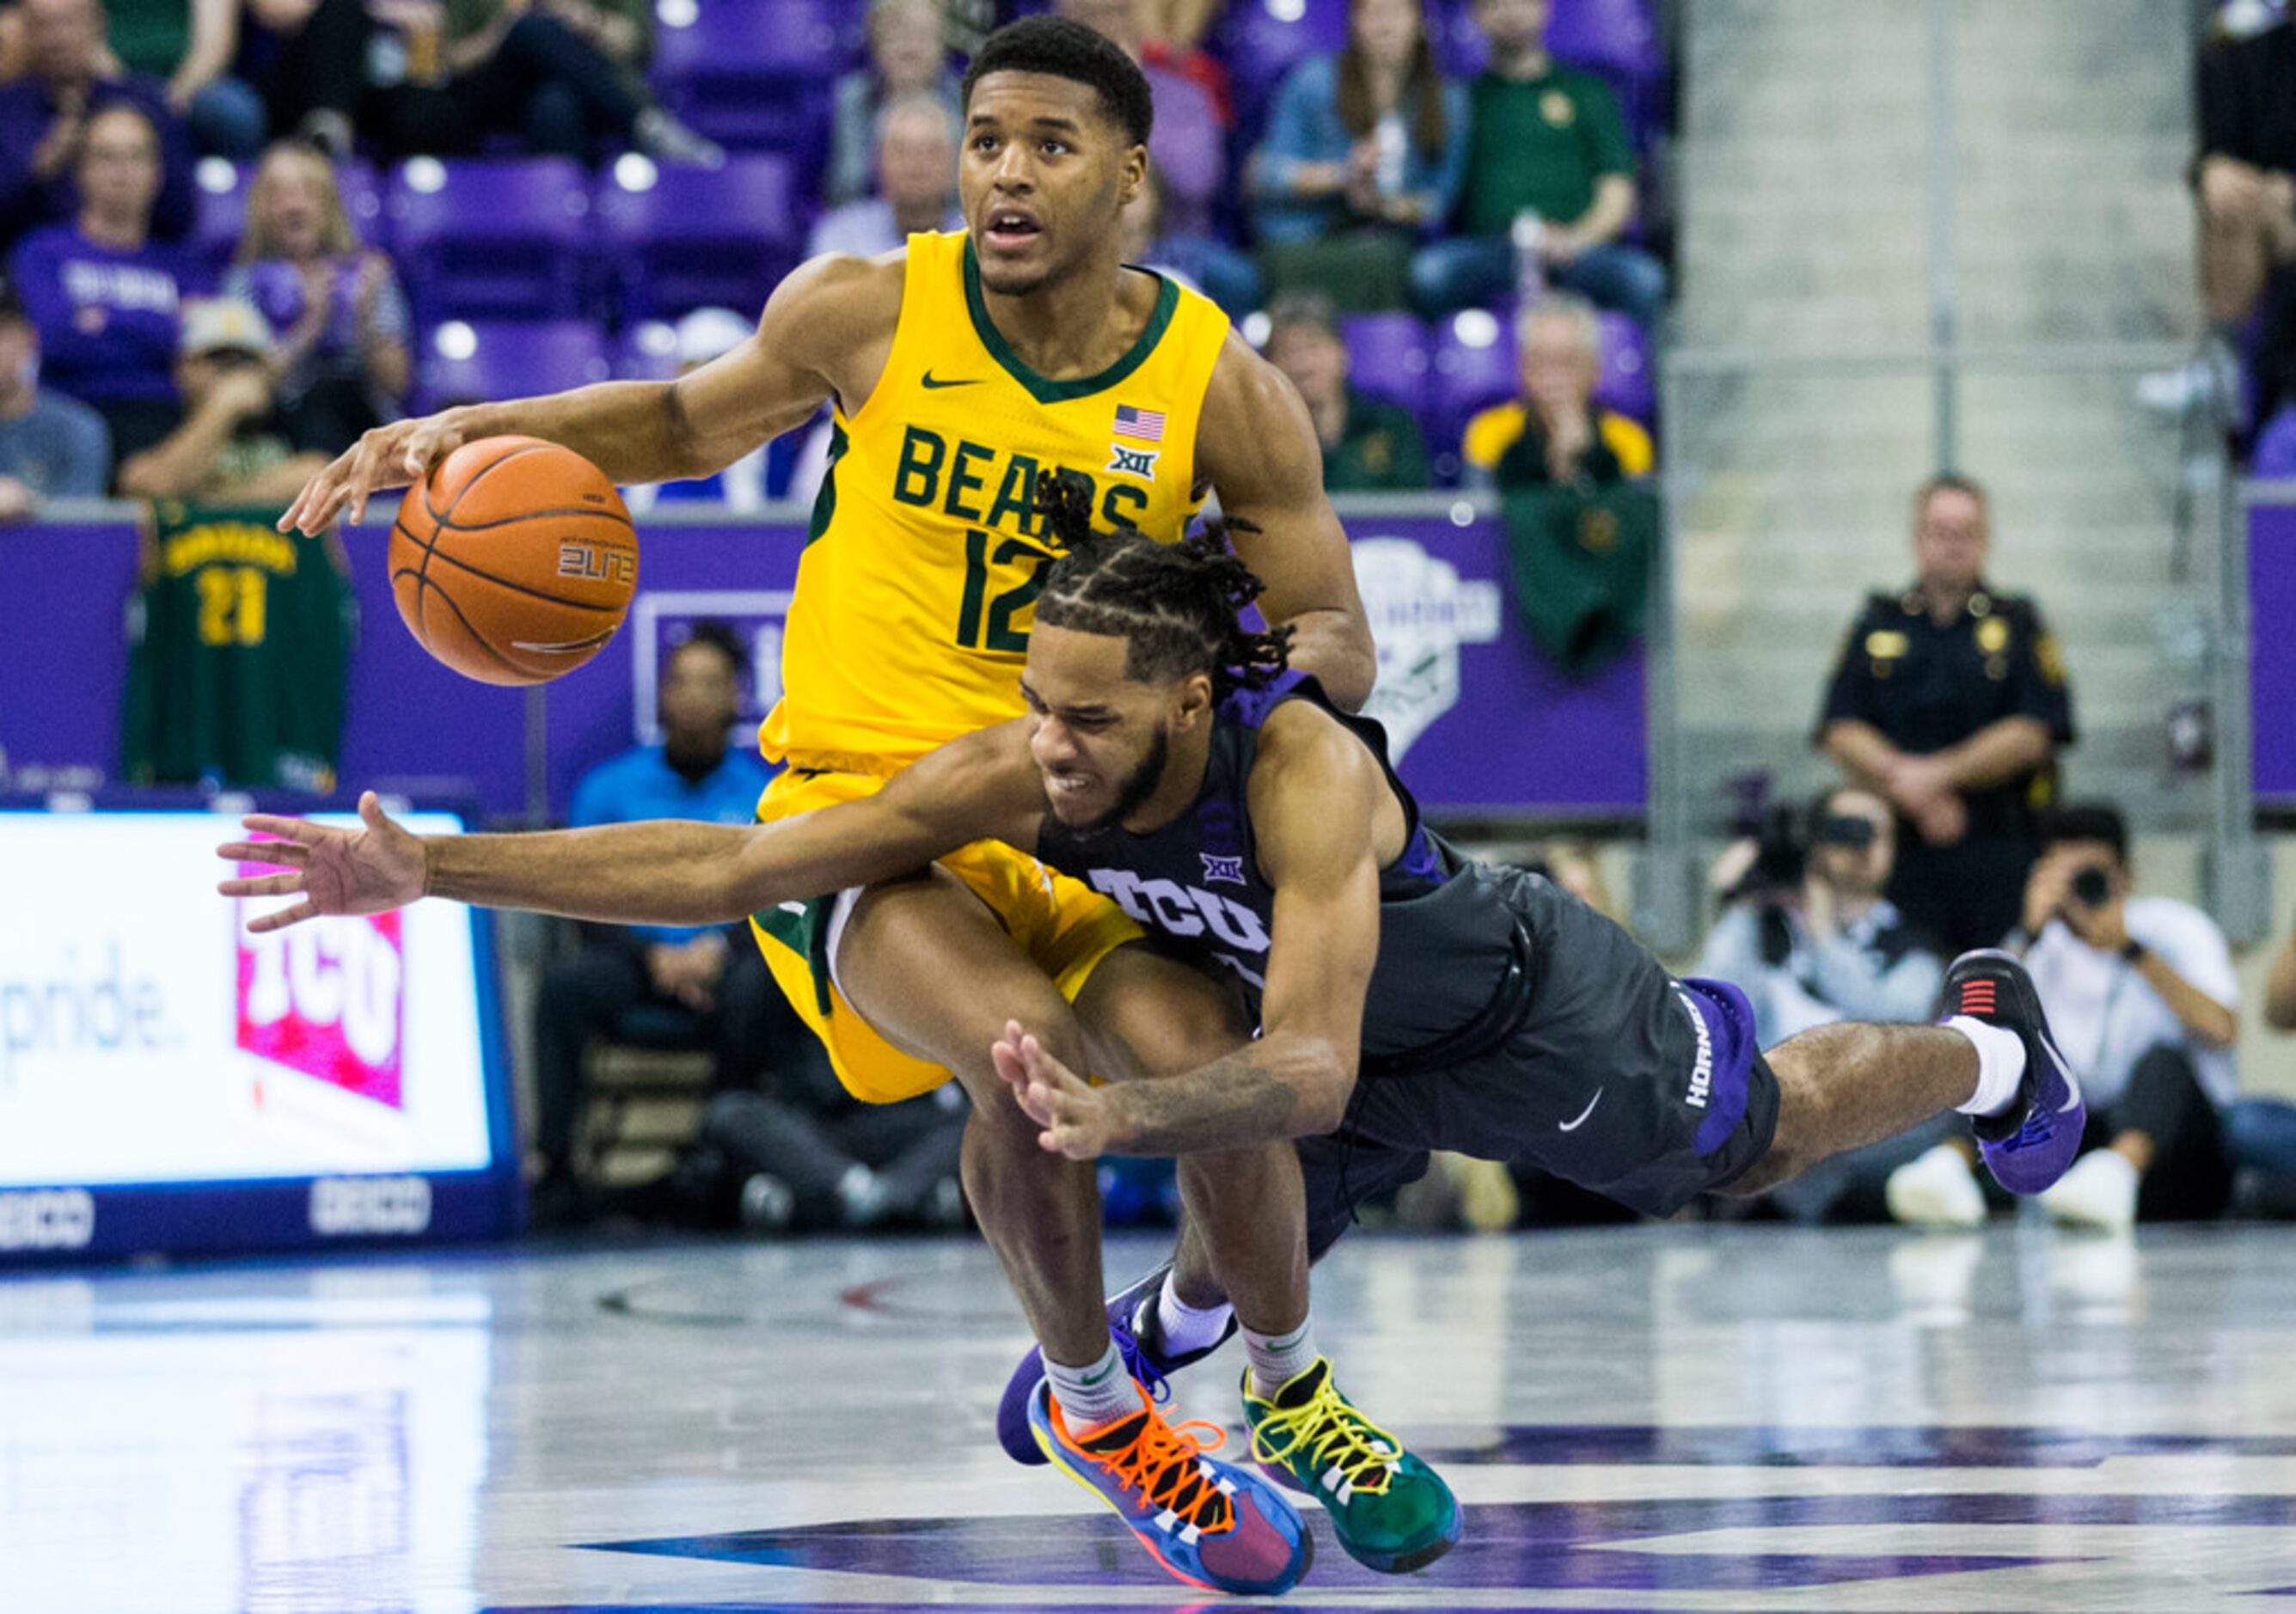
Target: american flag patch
1141,425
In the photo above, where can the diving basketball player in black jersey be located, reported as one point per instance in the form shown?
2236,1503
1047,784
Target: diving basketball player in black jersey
1369,992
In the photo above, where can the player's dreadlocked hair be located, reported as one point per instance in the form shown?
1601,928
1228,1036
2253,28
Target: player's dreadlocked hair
1175,605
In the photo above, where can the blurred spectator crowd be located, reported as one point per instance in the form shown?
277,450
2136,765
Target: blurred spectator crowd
428,201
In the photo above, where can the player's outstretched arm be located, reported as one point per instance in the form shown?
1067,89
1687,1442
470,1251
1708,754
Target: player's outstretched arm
670,872
1313,793
1259,448
822,331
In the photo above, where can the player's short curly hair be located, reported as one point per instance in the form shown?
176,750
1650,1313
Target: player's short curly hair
1063,49
1175,605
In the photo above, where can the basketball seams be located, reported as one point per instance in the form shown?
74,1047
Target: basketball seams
472,481
568,513
532,593
471,631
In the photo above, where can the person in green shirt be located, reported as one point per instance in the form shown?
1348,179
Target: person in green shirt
1545,141
1370,445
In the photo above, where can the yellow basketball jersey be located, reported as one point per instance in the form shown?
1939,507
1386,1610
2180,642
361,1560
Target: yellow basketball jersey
919,580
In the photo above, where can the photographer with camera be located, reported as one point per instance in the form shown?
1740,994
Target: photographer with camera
2141,992
1806,933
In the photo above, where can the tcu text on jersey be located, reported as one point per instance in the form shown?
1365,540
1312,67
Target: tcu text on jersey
1189,911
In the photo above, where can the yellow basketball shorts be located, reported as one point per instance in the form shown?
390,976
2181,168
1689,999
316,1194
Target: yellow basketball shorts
1063,924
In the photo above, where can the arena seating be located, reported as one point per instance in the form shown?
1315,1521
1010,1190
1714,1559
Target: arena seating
466,362
485,239
670,239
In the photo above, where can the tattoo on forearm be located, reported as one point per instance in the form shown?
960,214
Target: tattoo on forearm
1231,1103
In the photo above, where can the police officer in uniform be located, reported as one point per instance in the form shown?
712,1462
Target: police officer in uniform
1950,699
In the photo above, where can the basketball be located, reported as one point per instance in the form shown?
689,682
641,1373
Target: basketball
514,564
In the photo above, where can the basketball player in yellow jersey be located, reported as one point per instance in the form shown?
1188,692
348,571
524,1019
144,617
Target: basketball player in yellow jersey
960,371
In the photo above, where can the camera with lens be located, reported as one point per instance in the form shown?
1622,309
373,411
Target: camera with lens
1786,839
2092,886
1781,861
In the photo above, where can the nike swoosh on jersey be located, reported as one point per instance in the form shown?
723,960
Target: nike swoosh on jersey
935,386
1583,1114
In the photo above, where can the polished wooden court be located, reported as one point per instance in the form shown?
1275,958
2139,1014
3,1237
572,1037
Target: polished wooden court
1661,1417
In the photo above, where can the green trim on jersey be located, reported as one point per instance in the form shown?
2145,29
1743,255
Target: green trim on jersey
1047,391
824,502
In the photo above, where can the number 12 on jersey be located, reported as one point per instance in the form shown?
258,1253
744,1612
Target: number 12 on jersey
985,620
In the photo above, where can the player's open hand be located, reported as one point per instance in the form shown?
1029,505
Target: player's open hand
369,870
1077,1117
395,456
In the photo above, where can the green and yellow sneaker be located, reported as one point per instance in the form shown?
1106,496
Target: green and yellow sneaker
1391,1512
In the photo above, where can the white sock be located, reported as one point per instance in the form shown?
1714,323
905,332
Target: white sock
1277,1359
1094,1395
2000,1064
1182,1327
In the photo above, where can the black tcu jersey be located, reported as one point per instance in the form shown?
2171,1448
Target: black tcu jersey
1504,1018
1446,948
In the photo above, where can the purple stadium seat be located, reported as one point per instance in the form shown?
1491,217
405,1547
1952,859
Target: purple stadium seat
676,238
363,200
465,363
1627,383
1607,35
490,239
755,74
1261,40
1388,357
222,214
1474,367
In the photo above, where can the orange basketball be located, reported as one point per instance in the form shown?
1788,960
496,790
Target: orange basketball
515,562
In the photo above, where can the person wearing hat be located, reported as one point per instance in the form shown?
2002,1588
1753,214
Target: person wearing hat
228,449
51,446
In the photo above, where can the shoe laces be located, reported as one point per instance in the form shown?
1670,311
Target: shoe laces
1333,1435
1164,1463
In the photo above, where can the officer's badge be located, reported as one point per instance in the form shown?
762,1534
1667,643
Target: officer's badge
1993,635
1887,645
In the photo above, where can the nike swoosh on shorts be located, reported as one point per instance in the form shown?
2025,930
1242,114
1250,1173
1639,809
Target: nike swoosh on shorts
1583,1114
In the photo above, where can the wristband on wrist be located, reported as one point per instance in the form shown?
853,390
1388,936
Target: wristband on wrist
2133,950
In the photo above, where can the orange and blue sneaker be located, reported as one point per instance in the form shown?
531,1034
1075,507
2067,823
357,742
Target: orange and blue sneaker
1132,1319
1390,1511
1209,1523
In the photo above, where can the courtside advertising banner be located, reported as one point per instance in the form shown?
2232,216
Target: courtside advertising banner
147,1042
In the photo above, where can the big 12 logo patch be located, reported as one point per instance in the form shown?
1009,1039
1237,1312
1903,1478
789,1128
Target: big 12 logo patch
326,997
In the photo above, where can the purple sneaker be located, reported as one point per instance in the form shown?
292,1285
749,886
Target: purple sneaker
1132,1319
2028,1145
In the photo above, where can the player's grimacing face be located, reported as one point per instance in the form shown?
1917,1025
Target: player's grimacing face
1044,176
1099,737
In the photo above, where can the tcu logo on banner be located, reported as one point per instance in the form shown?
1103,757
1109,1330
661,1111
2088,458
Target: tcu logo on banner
324,997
